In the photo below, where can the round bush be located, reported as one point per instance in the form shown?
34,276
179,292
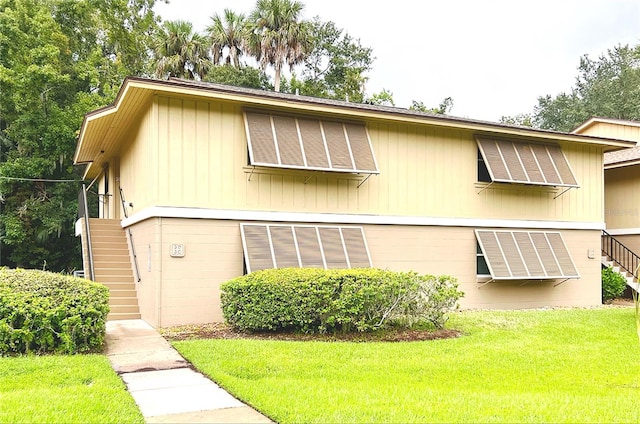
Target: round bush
613,284
318,300
44,312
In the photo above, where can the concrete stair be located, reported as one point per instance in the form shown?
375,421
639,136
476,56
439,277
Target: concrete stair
631,281
112,267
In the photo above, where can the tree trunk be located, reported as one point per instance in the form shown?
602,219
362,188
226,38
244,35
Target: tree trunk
276,85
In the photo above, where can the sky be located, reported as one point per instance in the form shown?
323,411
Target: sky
494,58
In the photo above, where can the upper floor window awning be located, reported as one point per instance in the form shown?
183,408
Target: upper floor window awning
526,255
303,246
513,161
297,142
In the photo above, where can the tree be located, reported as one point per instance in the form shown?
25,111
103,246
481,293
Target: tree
444,108
277,35
608,87
59,59
181,52
228,36
336,65
521,119
243,76
383,98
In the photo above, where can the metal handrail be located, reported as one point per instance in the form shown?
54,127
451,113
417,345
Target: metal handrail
83,212
620,254
133,247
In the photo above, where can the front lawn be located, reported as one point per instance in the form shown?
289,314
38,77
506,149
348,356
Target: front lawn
63,389
567,365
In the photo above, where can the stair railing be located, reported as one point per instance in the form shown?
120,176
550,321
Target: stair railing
620,254
83,212
133,247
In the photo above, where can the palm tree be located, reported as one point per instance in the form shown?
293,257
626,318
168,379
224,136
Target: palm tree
230,35
277,35
181,52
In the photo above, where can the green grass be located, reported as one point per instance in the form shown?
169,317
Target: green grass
571,365
63,389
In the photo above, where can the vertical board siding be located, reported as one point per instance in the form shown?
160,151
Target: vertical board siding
622,197
424,171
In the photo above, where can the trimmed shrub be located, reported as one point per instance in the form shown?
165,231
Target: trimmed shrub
613,284
43,312
317,300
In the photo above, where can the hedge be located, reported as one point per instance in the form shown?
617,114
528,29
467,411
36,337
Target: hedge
317,300
44,312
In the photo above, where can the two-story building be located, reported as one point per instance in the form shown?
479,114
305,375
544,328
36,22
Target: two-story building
217,181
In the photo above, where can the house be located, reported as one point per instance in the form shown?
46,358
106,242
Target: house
205,182
621,242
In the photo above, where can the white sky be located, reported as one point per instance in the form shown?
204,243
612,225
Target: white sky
493,57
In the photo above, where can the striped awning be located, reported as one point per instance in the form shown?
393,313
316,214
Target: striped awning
307,143
523,255
303,246
526,163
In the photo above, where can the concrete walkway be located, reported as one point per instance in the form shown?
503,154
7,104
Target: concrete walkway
163,384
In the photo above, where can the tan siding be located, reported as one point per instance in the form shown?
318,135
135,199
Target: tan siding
622,197
139,165
618,130
423,172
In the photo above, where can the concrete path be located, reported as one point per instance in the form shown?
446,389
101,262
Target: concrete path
163,384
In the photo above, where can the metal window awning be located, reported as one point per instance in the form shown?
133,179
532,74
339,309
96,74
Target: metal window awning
297,142
514,161
305,246
526,255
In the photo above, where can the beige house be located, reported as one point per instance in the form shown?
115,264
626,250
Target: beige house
621,242
206,182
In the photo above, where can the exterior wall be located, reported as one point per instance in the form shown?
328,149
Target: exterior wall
147,239
188,287
139,165
618,130
185,290
199,159
631,241
622,198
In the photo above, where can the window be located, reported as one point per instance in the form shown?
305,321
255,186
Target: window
483,171
303,246
525,163
518,255
481,263
308,143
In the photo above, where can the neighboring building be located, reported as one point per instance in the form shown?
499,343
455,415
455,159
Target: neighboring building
220,181
621,189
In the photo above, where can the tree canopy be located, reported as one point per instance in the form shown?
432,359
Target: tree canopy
605,87
59,59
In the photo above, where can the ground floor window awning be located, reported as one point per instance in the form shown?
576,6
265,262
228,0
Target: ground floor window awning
303,246
525,255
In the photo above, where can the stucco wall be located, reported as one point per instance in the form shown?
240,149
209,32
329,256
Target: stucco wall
189,286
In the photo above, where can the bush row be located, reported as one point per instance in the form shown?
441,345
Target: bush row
317,300
43,312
